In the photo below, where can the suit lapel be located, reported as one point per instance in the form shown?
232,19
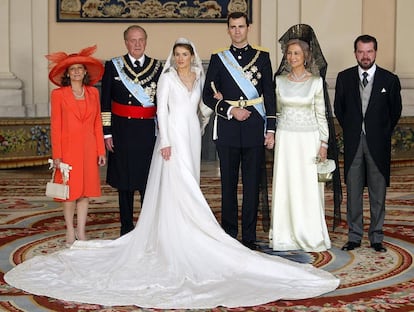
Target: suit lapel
376,88
90,101
70,102
354,80
377,83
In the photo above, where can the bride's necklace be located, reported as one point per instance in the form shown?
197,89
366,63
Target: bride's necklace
296,78
79,95
187,79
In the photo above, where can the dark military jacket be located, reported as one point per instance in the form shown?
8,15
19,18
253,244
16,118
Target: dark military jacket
133,138
255,63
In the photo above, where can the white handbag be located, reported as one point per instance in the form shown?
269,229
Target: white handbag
57,190
325,170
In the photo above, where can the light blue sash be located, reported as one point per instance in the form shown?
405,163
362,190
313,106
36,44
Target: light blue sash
244,84
136,89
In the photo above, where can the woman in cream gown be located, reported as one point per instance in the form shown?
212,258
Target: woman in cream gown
298,218
177,256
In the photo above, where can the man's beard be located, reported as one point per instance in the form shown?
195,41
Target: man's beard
364,65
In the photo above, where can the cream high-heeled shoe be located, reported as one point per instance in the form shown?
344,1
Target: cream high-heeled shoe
69,239
69,243
77,236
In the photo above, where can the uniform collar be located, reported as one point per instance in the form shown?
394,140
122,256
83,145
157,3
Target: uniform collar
239,50
141,59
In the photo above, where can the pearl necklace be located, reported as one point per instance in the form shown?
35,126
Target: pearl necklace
296,78
80,95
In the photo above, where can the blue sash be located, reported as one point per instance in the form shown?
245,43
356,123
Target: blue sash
242,81
136,89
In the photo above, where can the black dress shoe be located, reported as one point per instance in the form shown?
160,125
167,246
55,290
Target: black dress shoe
250,245
351,245
378,247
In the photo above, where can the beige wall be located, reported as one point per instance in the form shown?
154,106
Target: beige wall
336,23
26,35
379,20
161,36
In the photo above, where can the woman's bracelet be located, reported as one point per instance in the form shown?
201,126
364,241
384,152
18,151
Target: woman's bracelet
325,145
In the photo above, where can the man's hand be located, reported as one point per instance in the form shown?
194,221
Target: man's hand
269,141
240,114
109,144
218,96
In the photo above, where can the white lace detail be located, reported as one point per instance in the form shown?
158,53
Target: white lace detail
300,105
295,119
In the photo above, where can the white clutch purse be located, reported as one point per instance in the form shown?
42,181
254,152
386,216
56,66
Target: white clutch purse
57,190
325,170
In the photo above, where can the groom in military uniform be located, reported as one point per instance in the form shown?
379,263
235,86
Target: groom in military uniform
239,88
128,109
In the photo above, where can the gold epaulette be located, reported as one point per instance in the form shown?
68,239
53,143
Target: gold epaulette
220,50
260,48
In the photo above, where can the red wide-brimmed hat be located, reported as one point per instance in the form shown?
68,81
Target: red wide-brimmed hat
61,61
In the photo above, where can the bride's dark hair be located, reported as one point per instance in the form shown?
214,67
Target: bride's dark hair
187,46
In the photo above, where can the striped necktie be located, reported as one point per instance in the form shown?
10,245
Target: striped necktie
364,80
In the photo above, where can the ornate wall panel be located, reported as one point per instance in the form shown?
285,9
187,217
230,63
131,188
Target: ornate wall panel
149,10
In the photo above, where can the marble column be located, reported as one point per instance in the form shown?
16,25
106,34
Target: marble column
24,86
11,87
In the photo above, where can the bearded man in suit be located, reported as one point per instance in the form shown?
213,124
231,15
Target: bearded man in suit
368,107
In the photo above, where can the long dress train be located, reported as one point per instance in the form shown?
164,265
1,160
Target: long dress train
177,256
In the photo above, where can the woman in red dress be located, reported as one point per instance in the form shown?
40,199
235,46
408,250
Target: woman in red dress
76,133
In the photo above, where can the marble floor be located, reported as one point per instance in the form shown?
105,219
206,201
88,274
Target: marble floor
208,169
385,281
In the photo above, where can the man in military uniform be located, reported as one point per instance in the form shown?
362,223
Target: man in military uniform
239,88
128,112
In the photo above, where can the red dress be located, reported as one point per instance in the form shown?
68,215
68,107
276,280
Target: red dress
77,139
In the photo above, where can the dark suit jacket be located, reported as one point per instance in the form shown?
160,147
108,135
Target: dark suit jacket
382,114
231,132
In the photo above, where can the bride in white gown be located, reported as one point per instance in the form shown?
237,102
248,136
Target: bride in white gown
177,256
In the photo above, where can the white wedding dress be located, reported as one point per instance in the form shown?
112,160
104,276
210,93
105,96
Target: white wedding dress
177,256
298,208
